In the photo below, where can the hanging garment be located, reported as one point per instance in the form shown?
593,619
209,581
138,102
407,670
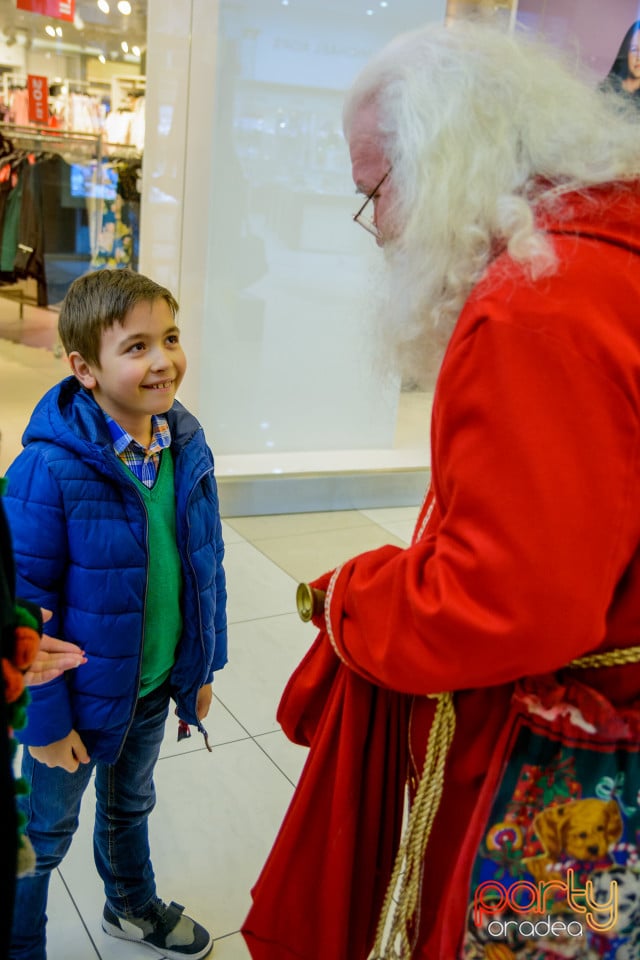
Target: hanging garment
29,257
114,245
6,187
11,225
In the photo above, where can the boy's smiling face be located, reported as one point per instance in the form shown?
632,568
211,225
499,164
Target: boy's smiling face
141,367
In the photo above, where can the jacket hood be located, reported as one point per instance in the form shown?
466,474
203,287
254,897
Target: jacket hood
68,416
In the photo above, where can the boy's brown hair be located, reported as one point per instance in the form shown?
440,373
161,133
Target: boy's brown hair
95,301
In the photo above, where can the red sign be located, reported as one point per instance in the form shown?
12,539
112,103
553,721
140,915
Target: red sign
38,90
56,9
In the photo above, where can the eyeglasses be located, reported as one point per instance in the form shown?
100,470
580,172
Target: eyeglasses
367,222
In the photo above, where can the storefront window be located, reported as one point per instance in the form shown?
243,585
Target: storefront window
72,119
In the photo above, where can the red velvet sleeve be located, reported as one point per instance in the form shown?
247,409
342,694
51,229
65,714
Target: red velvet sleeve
534,451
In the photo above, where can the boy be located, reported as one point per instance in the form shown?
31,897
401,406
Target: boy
113,509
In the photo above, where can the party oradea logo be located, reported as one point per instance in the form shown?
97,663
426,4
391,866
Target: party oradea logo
540,910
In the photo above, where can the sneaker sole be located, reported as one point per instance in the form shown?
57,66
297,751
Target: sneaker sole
114,931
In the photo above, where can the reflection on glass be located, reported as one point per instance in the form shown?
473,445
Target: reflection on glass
624,75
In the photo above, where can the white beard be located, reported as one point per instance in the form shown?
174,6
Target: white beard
410,341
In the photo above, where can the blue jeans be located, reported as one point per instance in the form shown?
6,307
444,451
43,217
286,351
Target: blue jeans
125,796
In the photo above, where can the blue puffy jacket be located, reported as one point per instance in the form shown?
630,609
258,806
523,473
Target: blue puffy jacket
79,529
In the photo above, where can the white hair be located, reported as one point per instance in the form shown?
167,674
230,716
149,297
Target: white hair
482,130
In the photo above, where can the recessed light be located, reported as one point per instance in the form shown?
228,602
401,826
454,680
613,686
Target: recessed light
50,30
102,58
135,51
104,6
124,7
58,31
125,46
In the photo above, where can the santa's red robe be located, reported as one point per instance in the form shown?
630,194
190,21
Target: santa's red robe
526,556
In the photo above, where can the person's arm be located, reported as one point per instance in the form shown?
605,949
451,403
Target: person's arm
535,463
52,659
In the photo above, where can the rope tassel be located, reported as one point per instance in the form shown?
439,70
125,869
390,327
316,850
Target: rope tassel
398,920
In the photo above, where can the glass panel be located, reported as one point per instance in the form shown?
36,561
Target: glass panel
288,372
585,27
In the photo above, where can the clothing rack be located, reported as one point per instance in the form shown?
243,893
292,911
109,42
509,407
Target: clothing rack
58,141
19,296
83,146
65,142
74,147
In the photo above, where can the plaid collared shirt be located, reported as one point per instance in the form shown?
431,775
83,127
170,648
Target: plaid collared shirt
142,462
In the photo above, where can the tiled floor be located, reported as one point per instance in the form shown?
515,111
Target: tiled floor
217,813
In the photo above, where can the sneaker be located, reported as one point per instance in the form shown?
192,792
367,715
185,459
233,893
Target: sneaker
163,928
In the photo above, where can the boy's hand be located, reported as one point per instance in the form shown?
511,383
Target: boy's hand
205,696
67,753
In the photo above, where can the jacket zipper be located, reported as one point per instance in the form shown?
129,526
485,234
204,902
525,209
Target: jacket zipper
144,615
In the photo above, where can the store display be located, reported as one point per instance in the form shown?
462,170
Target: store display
64,210
70,182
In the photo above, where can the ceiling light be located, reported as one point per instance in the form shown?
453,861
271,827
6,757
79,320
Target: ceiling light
369,13
135,51
50,30
103,5
58,31
124,7
125,46
102,58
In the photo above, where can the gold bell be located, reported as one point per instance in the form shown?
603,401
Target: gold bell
309,601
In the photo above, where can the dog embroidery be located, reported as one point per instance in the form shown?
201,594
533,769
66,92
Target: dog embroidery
578,834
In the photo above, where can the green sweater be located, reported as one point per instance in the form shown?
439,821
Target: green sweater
162,616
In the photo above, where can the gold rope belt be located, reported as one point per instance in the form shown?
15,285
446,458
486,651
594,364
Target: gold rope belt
398,919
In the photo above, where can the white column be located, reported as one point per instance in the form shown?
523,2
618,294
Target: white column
175,229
